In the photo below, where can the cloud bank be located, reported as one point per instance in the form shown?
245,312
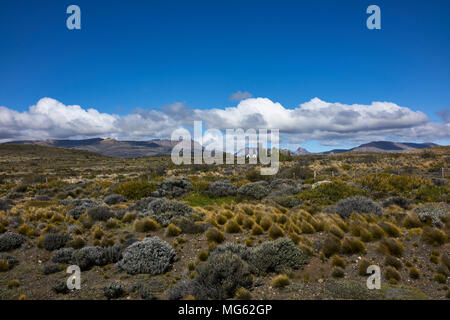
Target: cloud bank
329,123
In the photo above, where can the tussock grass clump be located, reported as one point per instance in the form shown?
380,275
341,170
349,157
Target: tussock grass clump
221,219
257,230
338,261
412,221
440,278
393,262
243,294
232,227
307,227
338,272
275,232
353,245
390,229
13,284
215,235
4,265
146,224
202,255
265,223
433,236
362,267
331,245
414,273
335,230
376,231
392,275
112,223
76,243
129,217
280,281
391,246
98,232
172,230
248,223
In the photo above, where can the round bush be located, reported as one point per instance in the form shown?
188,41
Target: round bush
358,204
54,241
63,255
101,213
163,211
222,188
10,241
151,255
113,199
255,190
278,255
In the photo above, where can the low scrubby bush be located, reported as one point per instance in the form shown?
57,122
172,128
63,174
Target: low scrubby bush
113,199
278,255
114,290
54,241
254,190
7,262
63,255
402,202
10,241
434,214
102,213
358,204
222,188
163,211
151,255
218,278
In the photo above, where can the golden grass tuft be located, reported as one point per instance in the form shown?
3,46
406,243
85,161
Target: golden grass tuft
146,224
281,281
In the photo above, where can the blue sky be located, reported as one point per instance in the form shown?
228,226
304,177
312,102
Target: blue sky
151,54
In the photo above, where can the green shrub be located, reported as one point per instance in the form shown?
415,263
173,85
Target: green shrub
135,190
329,193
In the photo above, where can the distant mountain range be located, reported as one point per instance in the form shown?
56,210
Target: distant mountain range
384,146
111,147
160,147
